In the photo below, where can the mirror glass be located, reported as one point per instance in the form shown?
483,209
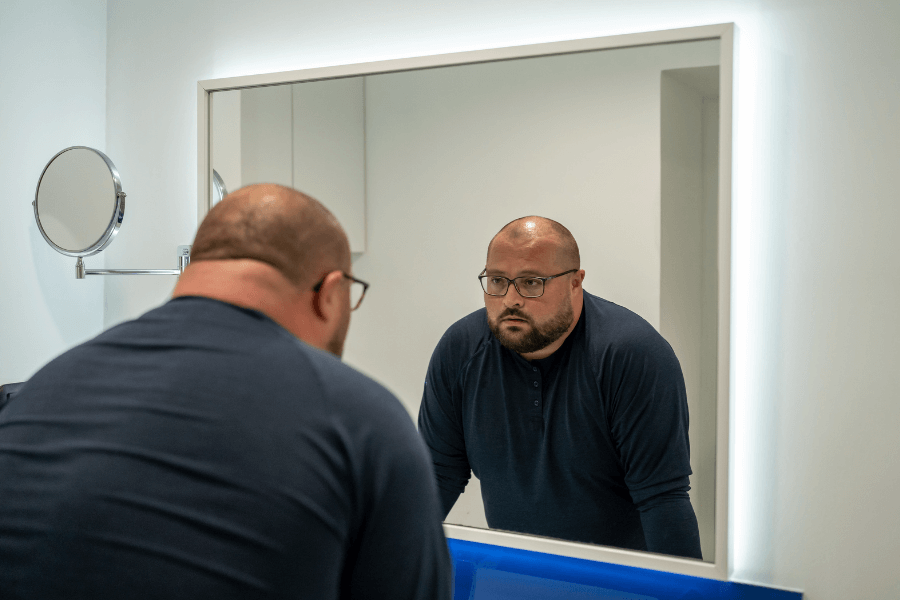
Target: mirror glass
78,204
423,167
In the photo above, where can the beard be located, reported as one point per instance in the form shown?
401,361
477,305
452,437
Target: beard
539,336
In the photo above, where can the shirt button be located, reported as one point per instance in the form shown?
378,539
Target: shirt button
535,384
535,402
534,369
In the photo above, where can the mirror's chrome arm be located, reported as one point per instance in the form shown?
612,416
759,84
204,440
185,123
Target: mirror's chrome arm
123,271
184,258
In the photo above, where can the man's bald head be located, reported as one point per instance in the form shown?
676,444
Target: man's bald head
529,229
278,226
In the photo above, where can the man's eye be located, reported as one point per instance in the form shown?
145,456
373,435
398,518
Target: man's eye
497,280
531,282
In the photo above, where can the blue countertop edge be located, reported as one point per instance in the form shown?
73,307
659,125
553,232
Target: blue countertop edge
481,569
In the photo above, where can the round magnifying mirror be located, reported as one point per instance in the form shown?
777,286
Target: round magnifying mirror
79,203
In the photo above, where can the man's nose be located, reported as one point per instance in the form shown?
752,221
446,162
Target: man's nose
513,297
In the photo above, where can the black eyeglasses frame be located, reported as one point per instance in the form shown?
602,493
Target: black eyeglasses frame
365,285
483,276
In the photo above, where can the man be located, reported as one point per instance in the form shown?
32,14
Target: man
569,409
205,451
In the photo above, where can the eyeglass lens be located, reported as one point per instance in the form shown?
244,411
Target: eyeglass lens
529,287
357,291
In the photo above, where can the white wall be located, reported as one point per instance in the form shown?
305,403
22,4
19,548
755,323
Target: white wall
225,140
688,314
815,206
52,96
266,135
310,136
454,154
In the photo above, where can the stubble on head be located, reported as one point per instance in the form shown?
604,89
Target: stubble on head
286,231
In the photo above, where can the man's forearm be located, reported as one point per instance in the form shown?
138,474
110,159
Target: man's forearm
670,526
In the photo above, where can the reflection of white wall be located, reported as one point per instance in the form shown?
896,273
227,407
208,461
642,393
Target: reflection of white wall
454,154
266,136
225,138
52,95
688,264
815,325
469,508
307,136
329,150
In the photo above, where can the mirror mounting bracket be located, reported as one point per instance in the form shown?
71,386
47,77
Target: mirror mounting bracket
184,258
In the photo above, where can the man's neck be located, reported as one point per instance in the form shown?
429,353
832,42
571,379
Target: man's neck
246,283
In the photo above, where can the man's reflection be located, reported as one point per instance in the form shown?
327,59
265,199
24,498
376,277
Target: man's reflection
570,409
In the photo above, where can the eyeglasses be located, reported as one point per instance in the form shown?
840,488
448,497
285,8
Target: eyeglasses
528,287
358,289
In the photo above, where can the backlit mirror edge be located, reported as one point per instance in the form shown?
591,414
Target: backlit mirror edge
720,568
724,539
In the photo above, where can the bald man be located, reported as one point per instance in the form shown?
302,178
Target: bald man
216,447
569,409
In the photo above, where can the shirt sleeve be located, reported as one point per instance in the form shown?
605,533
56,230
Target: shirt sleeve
440,424
670,525
398,517
649,425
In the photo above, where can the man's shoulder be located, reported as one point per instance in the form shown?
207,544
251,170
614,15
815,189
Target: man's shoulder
611,325
346,387
225,342
611,316
462,340
473,325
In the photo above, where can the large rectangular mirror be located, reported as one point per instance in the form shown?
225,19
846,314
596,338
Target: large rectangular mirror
624,140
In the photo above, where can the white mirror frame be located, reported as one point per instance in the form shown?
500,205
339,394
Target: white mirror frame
719,568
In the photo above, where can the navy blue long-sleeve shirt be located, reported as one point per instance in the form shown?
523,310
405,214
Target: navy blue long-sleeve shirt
589,444
202,451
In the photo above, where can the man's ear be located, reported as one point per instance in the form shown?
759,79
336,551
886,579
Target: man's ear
327,302
578,280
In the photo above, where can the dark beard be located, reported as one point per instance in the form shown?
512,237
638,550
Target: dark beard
539,337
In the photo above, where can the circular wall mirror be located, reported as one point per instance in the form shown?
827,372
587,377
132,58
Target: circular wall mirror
79,203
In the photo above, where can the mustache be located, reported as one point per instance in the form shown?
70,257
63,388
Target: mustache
513,312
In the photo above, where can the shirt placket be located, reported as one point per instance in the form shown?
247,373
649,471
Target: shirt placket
535,384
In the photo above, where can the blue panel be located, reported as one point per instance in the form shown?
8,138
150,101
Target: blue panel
485,572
